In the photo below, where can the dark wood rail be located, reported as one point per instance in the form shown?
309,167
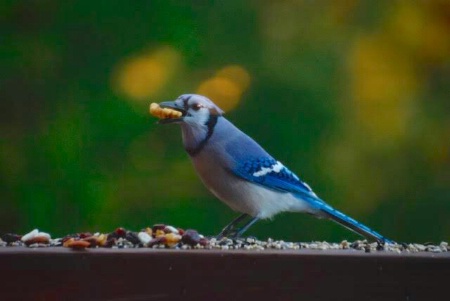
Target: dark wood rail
149,274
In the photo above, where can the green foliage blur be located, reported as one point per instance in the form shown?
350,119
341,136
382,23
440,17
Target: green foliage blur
353,96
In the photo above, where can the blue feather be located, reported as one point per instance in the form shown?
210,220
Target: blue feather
270,173
351,223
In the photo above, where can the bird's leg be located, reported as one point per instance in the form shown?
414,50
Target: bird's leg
238,232
231,231
230,227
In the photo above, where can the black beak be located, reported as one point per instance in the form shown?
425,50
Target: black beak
174,106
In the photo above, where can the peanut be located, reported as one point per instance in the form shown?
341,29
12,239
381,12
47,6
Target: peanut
163,113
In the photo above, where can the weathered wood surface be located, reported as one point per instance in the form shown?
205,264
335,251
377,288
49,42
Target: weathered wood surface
148,274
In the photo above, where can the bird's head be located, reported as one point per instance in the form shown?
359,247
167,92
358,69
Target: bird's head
196,110
197,116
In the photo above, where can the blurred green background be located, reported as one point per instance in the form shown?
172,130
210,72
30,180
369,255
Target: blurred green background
352,95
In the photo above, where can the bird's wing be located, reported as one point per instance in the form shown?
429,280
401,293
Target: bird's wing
272,174
248,160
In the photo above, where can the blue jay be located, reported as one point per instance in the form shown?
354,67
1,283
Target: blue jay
239,172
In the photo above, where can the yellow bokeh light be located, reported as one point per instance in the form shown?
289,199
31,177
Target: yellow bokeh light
224,92
384,83
423,31
237,74
144,76
226,87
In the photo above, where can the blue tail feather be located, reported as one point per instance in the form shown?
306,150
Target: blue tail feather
348,222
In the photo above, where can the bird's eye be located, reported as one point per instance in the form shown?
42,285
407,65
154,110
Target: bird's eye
196,106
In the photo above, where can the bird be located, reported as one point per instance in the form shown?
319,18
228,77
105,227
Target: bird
240,173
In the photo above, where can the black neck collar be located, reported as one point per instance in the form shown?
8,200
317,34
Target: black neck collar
211,123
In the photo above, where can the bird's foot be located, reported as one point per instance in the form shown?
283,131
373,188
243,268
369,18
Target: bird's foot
231,231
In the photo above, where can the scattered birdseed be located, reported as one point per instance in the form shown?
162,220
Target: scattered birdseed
161,236
36,238
76,244
10,238
144,238
191,237
172,239
29,235
171,229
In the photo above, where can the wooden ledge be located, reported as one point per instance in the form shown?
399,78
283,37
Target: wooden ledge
162,274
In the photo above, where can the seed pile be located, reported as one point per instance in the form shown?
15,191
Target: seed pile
360,245
158,236
163,236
